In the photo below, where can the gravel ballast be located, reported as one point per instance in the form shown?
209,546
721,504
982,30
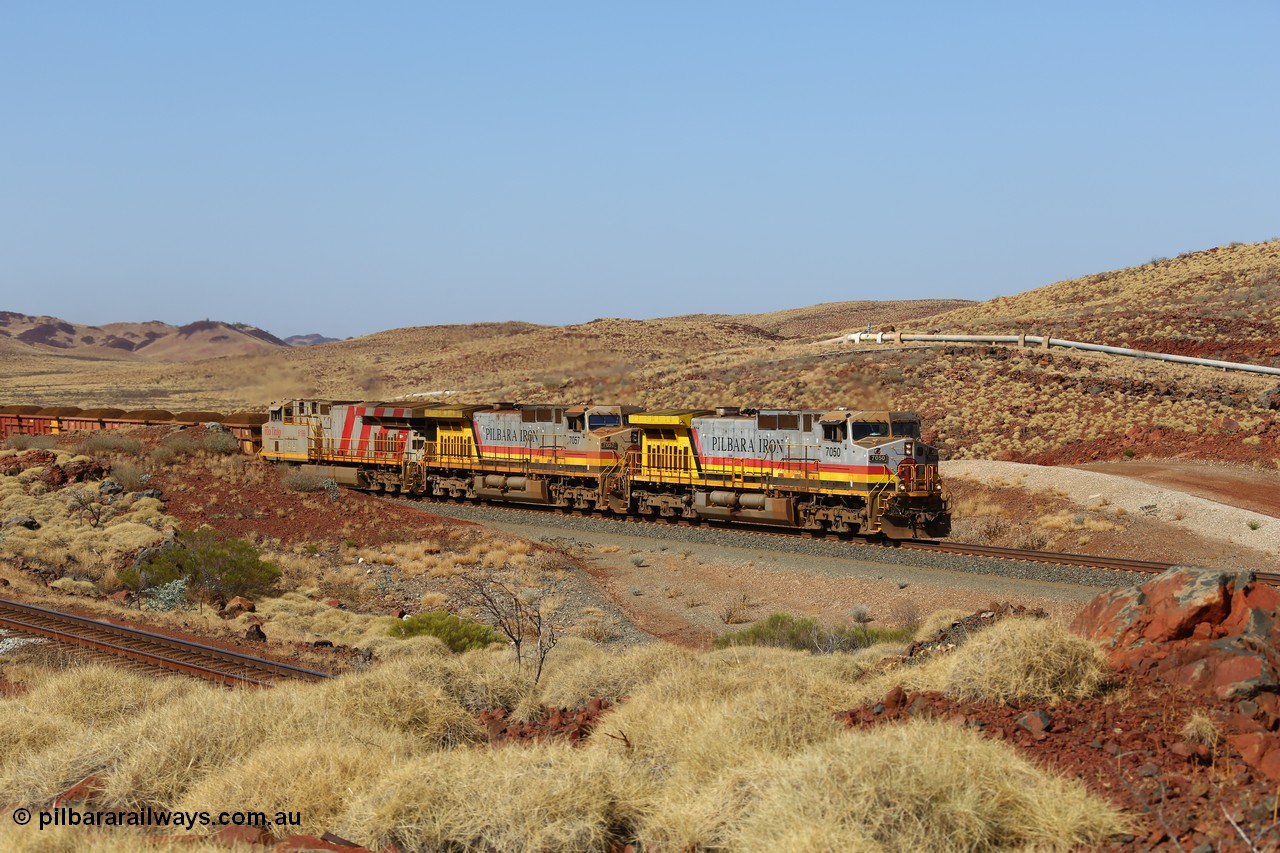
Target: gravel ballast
791,545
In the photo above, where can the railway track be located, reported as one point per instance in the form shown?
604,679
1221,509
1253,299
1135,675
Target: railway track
152,650
1092,561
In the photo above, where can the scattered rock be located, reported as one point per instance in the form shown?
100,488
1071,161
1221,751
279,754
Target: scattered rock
308,843
237,606
553,724
255,634
84,791
110,487
27,522
241,835
1211,632
957,632
1036,722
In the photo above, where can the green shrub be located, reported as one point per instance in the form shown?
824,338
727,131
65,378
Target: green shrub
104,442
303,480
460,635
784,631
220,443
180,445
130,477
176,446
214,568
30,442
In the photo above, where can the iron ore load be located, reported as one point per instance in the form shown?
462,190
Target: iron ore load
844,472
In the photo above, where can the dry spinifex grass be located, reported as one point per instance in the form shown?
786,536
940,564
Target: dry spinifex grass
736,748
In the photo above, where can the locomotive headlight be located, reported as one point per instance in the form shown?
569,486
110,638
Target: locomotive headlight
909,448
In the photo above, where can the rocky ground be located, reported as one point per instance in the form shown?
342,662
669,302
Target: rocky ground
1185,738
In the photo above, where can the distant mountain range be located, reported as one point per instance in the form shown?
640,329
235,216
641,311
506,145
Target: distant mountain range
150,341
309,340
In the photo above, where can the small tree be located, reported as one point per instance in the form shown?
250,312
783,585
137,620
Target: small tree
214,568
88,507
522,616
860,615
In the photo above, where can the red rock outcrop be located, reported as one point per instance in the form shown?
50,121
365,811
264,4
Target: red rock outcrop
1211,632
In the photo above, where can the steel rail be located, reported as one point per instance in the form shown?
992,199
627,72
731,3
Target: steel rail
1059,558
150,648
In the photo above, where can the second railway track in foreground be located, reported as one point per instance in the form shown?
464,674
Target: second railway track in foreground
153,650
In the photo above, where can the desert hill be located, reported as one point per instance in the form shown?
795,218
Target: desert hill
311,340
832,318
151,340
979,402
1217,303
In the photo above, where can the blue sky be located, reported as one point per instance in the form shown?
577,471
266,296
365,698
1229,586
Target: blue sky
346,168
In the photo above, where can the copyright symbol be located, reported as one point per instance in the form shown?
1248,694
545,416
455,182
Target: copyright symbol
22,817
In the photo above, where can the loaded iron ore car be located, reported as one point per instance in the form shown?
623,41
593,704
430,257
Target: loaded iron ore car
845,472
57,420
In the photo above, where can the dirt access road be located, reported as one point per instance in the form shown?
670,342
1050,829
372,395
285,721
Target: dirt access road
1254,489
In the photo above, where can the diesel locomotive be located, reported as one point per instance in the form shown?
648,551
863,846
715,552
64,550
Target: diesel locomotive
844,472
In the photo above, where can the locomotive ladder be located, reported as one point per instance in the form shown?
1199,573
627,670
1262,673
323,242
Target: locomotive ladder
877,505
617,477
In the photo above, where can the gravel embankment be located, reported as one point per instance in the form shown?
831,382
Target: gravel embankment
792,545
1203,517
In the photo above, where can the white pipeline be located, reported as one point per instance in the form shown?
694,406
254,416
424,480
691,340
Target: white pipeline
1038,341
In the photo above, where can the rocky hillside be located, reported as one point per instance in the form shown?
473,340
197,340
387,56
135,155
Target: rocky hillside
1006,403
310,340
833,318
152,341
1217,303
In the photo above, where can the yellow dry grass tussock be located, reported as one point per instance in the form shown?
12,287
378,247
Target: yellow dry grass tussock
67,537
76,839
532,798
402,695
27,730
920,786
939,619
690,722
97,695
1072,521
578,671
155,757
295,617
476,680
1026,660
318,778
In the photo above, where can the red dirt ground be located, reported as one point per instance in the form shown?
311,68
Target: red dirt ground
1251,488
1127,747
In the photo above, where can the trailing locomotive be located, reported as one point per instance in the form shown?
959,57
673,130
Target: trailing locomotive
845,472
